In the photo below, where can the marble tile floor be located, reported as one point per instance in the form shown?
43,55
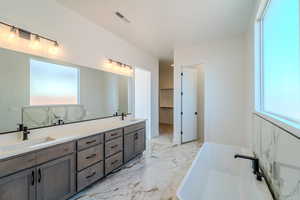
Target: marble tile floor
154,176
166,130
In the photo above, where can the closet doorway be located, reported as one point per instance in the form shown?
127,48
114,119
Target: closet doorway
166,91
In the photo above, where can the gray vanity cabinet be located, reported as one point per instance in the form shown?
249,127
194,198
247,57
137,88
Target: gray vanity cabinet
134,141
129,143
56,179
140,141
18,186
50,175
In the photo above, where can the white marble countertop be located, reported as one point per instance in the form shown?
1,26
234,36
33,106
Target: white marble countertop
215,175
61,134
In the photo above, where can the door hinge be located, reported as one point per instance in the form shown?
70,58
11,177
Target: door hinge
181,73
181,93
181,132
181,113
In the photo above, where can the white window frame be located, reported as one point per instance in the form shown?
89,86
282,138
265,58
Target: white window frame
291,125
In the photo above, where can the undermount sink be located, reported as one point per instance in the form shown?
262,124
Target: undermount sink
24,144
130,120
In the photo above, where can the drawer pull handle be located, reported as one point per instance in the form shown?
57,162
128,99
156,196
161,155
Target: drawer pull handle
114,134
90,176
91,156
32,177
114,146
114,162
39,175
91,142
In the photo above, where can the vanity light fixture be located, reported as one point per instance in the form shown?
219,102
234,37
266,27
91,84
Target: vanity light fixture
13,33
35,39
36,42
54,49
120,67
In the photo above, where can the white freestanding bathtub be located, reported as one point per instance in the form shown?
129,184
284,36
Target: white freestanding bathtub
216,175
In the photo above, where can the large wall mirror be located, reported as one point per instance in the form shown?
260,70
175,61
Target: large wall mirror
40,92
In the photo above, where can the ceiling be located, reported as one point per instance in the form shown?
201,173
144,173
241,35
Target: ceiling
157,26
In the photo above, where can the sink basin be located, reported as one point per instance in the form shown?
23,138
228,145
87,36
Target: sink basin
24,144
130,120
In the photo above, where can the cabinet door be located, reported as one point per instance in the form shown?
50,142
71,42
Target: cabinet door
56,179
18,186
140,141
129,146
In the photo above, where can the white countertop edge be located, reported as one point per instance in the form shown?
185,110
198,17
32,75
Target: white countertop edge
62,140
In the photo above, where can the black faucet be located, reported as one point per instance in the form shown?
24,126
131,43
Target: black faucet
60,122
255,165
25,133
123,115
21,127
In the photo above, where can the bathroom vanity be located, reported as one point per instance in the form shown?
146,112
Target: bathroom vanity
76,134
68,158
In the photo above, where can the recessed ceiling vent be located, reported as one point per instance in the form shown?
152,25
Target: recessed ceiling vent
122,17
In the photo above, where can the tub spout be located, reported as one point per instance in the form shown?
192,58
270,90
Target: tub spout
255,165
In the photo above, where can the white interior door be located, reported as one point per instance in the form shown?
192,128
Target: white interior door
142,100
189,115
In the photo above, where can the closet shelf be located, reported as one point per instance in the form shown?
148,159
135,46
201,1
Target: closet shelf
168,107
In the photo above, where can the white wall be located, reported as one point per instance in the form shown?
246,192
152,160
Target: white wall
142,97
252,60
226,89
81,41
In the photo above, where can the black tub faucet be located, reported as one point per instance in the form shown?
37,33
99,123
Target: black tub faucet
255,165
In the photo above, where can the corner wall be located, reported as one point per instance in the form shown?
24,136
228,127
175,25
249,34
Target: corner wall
226,89
82,42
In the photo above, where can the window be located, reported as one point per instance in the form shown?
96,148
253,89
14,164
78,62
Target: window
280,59
52,84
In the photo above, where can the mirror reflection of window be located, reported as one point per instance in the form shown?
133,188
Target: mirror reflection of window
52,84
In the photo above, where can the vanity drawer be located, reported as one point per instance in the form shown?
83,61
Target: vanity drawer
90,156
55,152
133,128
113,146
90,141
90,175
113,162
16,164
113,134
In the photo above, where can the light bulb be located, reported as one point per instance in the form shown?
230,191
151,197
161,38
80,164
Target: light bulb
36,43
12,34
54,49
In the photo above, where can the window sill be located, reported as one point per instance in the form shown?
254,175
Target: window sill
286,125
